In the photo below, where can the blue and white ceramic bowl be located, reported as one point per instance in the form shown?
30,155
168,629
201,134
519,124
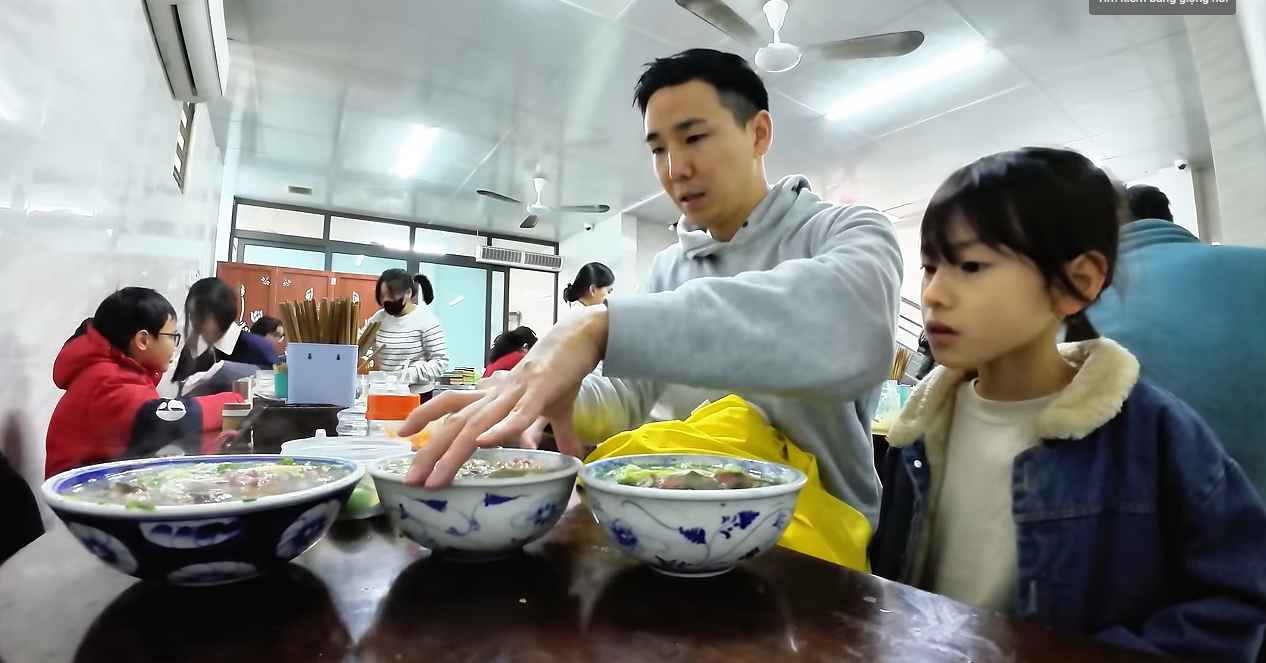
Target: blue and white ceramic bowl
692,533
200,544
480,519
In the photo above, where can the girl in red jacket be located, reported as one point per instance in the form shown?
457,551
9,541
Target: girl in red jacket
509,348
110,370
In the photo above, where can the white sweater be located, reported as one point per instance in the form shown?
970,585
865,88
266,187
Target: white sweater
415,344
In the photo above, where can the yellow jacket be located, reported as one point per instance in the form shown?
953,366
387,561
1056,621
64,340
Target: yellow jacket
823,526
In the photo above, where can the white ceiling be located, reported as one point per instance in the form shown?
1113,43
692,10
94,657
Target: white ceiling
323,93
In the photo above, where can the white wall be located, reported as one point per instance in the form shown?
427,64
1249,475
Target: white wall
1251,15
87,131
1207,207
652,237
612,242
1179,187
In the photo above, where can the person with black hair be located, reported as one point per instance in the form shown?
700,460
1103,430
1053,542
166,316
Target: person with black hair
110,370
509,348
770,293
1193,314
271,329
215,335
410,335
592,285
1049,481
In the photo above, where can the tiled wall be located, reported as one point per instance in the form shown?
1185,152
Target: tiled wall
1236,130
88,203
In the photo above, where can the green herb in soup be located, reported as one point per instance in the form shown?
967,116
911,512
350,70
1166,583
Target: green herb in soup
205,483
478,468
687,476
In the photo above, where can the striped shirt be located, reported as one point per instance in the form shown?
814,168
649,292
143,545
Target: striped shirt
415,344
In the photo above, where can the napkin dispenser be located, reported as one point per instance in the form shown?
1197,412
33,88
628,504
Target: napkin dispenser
321,373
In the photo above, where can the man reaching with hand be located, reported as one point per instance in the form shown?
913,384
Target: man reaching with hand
770,293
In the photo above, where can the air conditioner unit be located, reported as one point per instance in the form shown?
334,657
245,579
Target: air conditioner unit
516,258
193,46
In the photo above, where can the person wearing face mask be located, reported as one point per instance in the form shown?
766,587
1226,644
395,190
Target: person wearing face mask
110,370
593,284
410,335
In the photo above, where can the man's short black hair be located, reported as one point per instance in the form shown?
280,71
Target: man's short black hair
128,311
265,326
1148,202
739,88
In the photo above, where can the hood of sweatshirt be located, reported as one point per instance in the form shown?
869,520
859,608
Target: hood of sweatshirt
782,201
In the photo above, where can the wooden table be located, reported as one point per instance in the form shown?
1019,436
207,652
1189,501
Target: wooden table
363,594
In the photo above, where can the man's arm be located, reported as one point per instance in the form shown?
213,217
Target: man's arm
607,406
818,327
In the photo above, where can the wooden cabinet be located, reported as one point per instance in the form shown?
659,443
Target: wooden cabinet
293,285
252,287
358,288
261,289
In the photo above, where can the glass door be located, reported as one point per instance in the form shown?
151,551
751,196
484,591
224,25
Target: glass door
461,304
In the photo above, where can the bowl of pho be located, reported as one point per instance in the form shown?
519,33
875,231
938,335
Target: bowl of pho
202,520
692,515
501,500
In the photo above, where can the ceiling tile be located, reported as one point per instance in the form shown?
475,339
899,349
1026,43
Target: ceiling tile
1068,35
293,146
1168,59
609,9
1183,97
1143,29
1097,80
668,22
1017,118
1120,111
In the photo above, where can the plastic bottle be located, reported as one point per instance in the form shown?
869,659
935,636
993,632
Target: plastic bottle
388,405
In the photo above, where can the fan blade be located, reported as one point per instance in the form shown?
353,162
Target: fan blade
875,46
719,15
584,209
498,196
530,222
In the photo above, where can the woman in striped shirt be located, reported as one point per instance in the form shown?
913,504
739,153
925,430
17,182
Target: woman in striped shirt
410,334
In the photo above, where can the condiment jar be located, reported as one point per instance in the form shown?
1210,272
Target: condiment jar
232,415
386,412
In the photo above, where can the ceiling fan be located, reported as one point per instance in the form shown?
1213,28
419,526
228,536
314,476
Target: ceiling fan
778,56
536,210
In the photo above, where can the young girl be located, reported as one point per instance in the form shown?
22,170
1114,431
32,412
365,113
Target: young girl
508,349
1046,480
211,314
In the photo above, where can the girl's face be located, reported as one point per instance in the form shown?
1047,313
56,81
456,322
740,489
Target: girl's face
993,303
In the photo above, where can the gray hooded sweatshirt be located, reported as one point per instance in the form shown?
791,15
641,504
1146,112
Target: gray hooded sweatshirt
796,314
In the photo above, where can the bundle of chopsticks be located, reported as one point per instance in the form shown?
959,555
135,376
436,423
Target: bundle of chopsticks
330,321
899,363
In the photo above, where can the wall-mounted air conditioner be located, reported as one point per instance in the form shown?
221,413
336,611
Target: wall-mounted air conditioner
516,258
193,46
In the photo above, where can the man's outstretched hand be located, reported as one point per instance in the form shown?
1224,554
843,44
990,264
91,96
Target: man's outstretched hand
543,385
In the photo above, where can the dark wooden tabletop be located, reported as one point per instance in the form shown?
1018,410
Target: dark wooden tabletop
363,594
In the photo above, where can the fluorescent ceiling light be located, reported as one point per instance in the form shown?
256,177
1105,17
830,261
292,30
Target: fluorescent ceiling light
460,299
907,82
1216,243
360,260
77,211
415,147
